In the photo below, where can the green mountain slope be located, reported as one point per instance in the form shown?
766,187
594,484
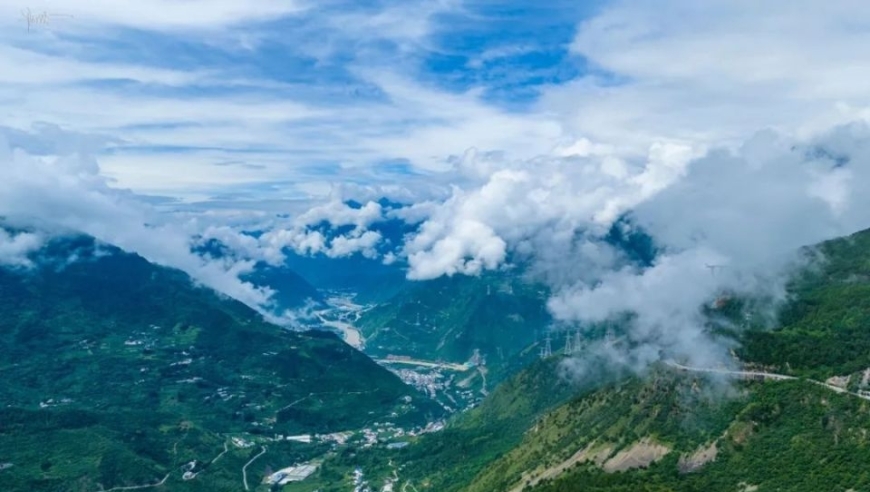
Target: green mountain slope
116,371
680,433
497,315
793,435
677,431
448,460
444,460
825,330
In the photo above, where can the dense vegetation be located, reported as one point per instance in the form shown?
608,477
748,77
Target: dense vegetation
448,460
663,405
105,357
125,381
793,435
498,315
824,329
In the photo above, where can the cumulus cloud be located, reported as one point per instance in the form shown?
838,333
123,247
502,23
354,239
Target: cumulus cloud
67,192
15,248
335,229
339,213
745,210
324,229
534,206
728,142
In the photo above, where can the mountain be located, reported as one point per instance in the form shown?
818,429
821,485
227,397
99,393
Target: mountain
824,331
370,280
497,316
291,291
675,432
796,419
118,372
447,460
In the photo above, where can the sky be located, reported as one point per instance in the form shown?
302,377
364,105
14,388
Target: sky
732,132
211,101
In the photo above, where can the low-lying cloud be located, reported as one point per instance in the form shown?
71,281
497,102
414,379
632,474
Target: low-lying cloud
16,248
732,220
59,193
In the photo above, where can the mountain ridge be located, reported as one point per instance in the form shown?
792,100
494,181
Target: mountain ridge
134,359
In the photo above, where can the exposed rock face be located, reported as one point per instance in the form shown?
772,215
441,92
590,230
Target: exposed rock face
838,381
595,452
640,455
693,462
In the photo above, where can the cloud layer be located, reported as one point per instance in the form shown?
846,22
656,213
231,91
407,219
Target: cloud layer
66,192
730,132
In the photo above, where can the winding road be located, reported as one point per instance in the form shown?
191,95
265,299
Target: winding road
764,375
136,487
424,363
727,372
245,468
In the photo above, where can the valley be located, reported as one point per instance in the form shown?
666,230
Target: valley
186,391
678,427
143,379
456,386
434,246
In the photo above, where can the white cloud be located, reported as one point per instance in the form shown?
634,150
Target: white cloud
15,248
499,53
338,213
20,66
748,211
153,14
533,206
299,236
714,73
748,208
67,192
360,241
664,125
302,241
670,125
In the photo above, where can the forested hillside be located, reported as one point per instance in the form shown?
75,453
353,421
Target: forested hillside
498,316
682,434
116,370
825,329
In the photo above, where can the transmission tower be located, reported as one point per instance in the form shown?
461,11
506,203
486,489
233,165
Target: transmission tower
569,343
578,341
547,349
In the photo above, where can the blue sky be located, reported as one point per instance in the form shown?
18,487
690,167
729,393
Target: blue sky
319,88
508,127
203,99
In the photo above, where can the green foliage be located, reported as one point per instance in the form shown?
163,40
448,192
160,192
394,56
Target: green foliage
448,318
791,435
104,359
448,460
670,407
825,329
